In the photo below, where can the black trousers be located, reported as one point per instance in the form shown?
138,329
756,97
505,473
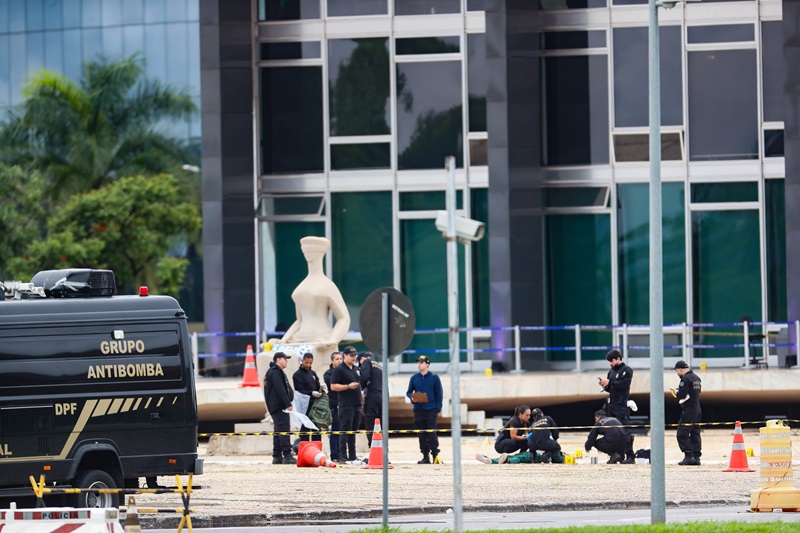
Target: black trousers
373,408
689,440
545,445
510,446
428,441
334,439
620,411
350,420
281,444
610,446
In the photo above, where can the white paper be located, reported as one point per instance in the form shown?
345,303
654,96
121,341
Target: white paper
299,420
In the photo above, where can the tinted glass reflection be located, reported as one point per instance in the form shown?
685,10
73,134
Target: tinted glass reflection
349,8
476,82
720,33
576,110
571,4
358,82
721,81
292,10
773,69
631,75
429,125
427,45
559,40
299,50
773,143
291,121
426,7
360,156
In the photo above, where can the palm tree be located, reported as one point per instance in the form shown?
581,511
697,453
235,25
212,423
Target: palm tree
84,135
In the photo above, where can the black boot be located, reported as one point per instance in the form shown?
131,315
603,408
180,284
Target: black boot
615,459
688,460
426,460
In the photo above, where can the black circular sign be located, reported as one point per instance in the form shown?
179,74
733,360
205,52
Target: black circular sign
402,321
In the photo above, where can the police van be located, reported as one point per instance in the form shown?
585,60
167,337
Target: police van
96,390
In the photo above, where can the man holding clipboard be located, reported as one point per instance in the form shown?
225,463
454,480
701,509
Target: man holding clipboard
425,392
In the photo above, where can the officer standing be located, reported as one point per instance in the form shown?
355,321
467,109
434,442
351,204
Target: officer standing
372,384
543,436
618,386
333,399
306,381
346,381
279,395
688,395
425,392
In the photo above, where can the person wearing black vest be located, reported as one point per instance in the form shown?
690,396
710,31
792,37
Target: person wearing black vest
613,439
306,382
688,395
333,399
544,436
346,381
279,395
372,385
618,386
513,437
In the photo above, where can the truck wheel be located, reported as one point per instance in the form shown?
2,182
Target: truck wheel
95,479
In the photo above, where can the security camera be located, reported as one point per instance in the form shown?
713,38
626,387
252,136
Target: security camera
466,228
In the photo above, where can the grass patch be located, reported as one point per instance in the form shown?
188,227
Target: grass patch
685,527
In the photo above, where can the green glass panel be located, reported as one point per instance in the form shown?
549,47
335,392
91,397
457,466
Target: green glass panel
724,192
726,276
294,205
633,214
427,201
579,282
360,156
361,234
428,45
775,211
480,261
424,281
576,197
291,267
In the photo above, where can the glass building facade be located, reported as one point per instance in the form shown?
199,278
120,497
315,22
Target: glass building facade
544,104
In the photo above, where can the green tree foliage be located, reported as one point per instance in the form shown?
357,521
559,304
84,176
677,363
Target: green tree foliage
122,226
84,135
22,214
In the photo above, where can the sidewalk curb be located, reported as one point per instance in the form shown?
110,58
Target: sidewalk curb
301,517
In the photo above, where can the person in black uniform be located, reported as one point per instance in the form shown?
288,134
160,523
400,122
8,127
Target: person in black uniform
618,386
307,382
372,384
333,399
346,381
279,395
615,441
543,436
688,395
513,436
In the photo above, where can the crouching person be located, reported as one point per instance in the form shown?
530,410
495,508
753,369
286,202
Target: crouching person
609,436
544,437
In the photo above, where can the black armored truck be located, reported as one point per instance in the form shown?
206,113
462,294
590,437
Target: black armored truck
96,390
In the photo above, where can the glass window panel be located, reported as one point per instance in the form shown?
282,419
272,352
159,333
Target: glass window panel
72,17
295,10
571,4
629,2
424,281
576,110
633,226
478,152
133,11
476,5
291,267
154,10
360,156
772,68
428,45
775,215
53,57
476,83
291,121
631,77
773,143
72,61
34,15
5,71
348,8
361,222
177,59
427,201
53,19
429,123
720,33
18,69
578,252
132,39
155,43
91,13
293,205
720,81
112,12
480,261
559,40
576,197
426,7
636,147
725,255
34,51
301,50
705,193
16,19
176,10
358,81
4,17
112,41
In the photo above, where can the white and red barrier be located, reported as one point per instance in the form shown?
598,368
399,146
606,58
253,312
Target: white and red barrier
60,520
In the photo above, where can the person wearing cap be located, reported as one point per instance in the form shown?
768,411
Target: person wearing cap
306,381
618,386
372,385
333,399
609,436
688,395
544,436
426,412
346,381
279,395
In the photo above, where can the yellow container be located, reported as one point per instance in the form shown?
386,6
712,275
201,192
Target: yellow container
703,365
569,459
776,456
579,453
488,372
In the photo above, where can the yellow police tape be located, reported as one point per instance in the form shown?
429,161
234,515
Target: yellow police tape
478,431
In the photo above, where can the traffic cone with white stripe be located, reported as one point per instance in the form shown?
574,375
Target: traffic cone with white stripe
738,461
250,376
132,524
376,450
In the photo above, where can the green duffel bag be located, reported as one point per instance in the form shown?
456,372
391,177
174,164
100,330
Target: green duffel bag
320,412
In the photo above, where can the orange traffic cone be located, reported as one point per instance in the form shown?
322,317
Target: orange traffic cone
376,450
250,377
738,461
309,454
